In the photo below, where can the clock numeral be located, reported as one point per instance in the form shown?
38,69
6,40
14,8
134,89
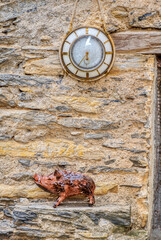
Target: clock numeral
106,41
87,75
64,53
76,34
106,63
86,30
68,64
98,72
98,33
67,42
76,72
108,52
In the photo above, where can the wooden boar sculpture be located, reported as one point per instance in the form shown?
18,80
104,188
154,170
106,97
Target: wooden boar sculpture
66,184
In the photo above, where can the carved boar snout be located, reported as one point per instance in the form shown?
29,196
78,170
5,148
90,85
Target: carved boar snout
37,177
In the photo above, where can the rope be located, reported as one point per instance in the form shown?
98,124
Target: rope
74,13
73,16
102,16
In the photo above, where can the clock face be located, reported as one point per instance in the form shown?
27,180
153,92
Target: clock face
87,53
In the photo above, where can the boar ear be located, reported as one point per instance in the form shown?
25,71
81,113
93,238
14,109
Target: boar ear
57,174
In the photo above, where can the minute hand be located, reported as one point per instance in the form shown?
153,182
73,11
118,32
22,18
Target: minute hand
82,60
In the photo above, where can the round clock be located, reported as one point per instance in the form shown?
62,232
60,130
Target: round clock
87,53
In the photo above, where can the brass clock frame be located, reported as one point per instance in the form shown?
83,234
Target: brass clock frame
87,78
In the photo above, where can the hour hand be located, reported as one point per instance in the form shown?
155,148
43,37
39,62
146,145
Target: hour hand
86,60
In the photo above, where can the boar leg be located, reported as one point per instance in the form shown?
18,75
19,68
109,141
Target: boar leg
60,199
91,200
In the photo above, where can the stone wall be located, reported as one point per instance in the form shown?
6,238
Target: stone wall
103,128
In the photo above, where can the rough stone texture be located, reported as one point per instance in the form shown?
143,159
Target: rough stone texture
141,41
48,120
35,220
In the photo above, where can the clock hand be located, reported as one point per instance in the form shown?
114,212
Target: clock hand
86,58
81,60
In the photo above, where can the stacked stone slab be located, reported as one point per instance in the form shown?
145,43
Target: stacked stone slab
40,220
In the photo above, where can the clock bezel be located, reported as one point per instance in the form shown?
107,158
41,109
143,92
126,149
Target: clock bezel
71,74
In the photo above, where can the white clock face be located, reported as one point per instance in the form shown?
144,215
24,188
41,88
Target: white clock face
87,53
